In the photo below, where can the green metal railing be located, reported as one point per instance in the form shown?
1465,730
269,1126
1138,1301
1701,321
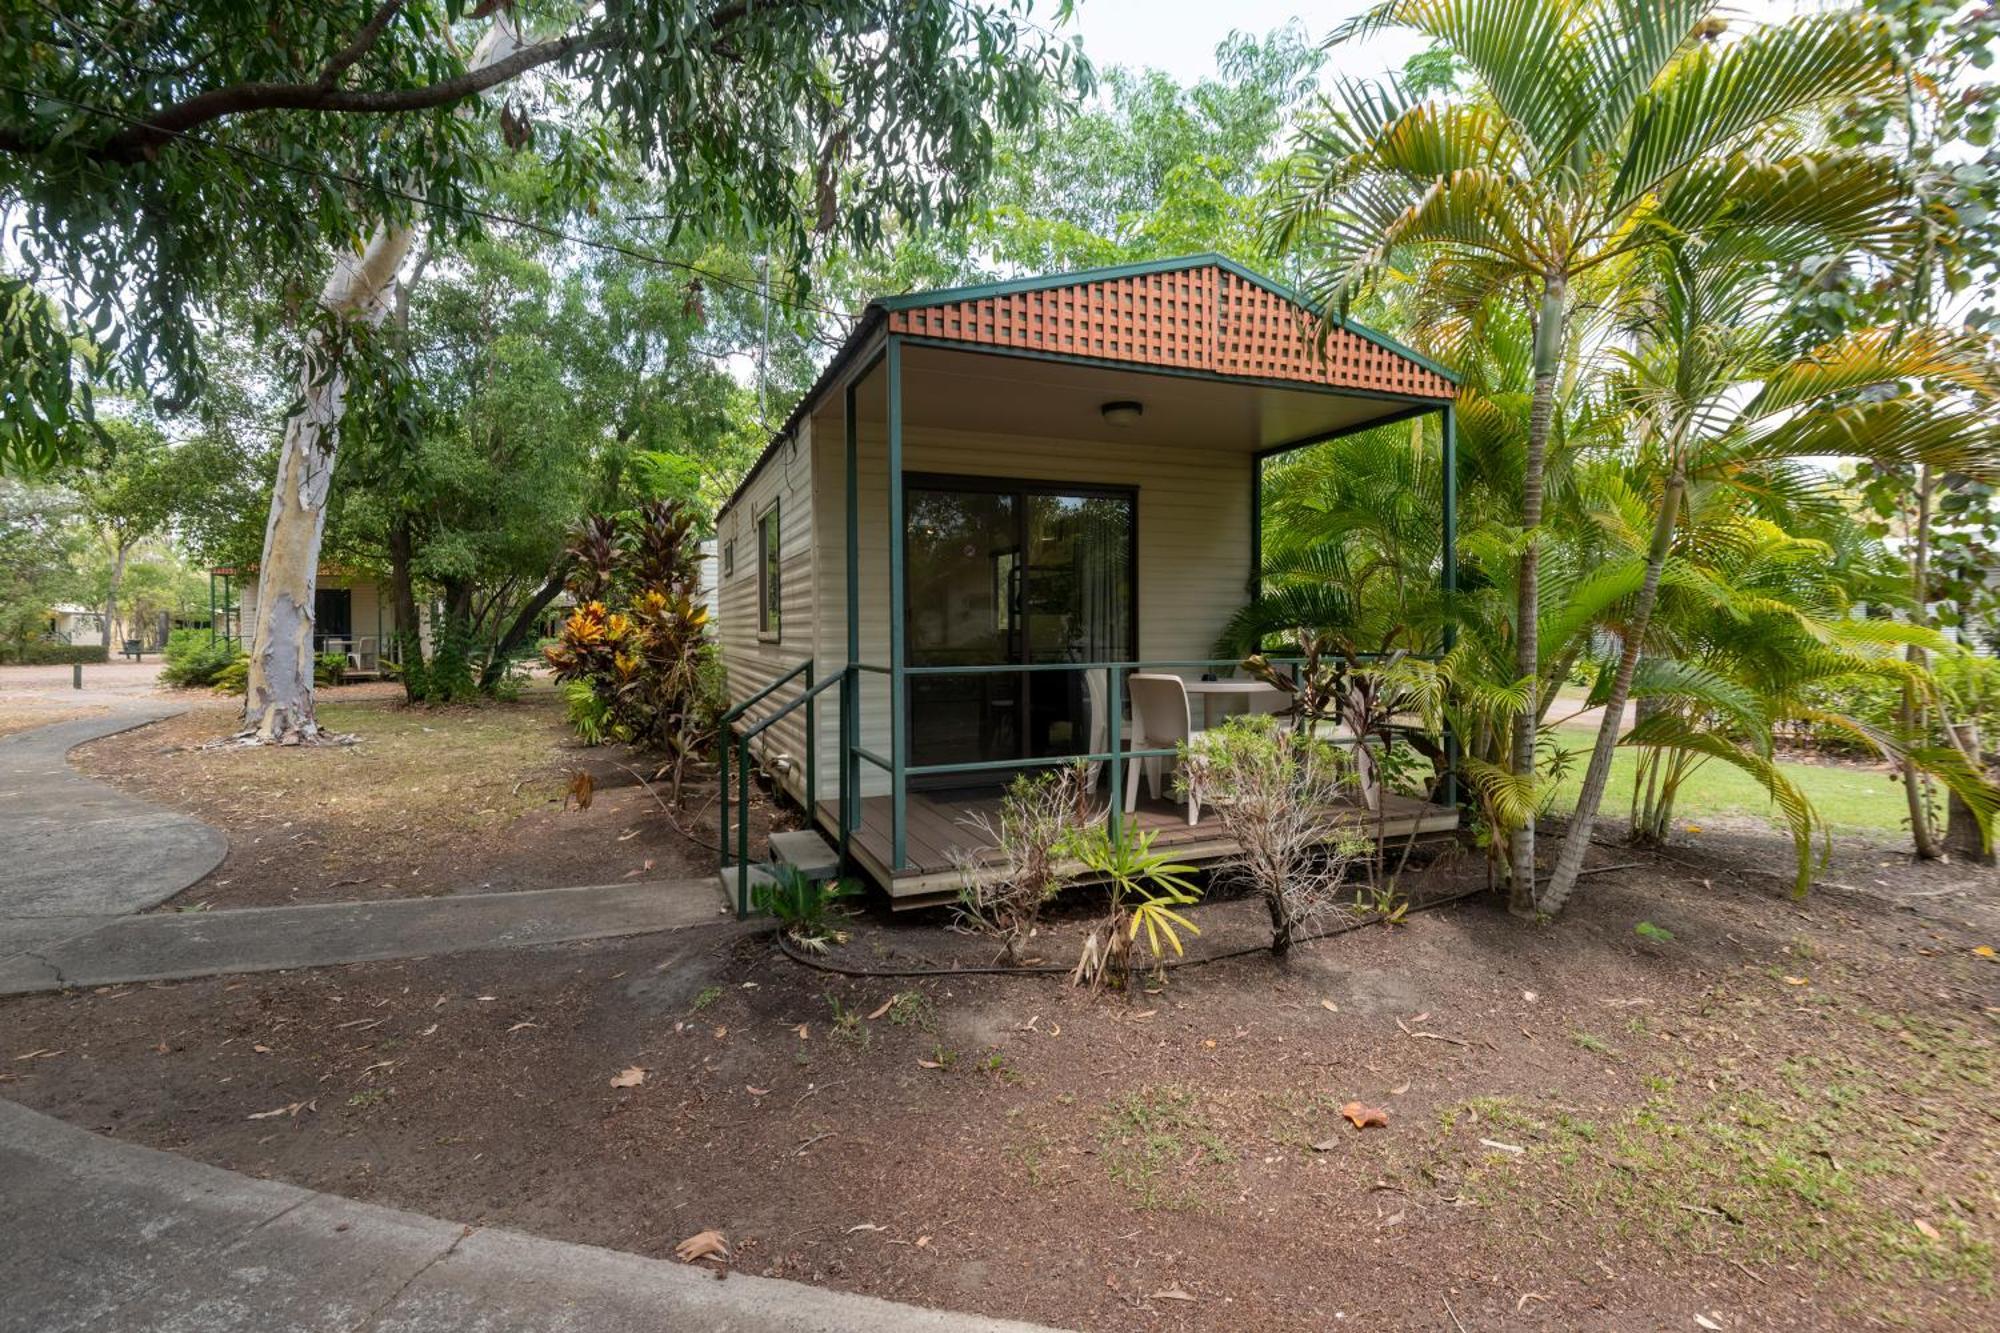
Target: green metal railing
738,737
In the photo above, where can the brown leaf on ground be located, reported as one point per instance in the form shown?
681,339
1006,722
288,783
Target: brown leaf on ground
702,1245
882,1008
629,1078
1364,1116
581,788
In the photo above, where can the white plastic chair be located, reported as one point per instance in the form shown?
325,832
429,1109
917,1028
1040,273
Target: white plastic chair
1160,721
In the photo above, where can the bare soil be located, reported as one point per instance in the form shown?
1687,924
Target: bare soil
427,801
1763,1113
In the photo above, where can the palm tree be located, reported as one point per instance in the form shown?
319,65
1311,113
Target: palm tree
1592,129
1717,404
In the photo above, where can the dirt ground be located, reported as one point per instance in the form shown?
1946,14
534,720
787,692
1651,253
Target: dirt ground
1754,1112
428,801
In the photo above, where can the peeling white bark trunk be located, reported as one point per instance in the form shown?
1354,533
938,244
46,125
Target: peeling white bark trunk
279,704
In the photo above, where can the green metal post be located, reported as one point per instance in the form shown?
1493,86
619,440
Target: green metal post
812,750
899,738
850,692
1450,581
743,829
727,731
1115,766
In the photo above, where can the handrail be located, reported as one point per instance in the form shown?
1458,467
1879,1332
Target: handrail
765,693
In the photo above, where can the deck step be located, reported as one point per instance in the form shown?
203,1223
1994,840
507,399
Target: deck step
725,879
804,848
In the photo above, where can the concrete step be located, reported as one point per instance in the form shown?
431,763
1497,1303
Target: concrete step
725,879
806,849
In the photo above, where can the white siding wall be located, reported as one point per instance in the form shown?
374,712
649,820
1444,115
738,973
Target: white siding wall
752,661
1194,545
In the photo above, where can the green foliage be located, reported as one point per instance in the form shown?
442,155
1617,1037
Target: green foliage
42,653
195,657
329,668
587,713
1646,930
1145,888
234,678
647,660
1023,860
805,908
213,147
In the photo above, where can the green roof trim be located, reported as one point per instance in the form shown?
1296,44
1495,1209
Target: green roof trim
1114,272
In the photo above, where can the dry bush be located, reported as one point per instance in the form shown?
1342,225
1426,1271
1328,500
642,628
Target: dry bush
1002,892
1274,791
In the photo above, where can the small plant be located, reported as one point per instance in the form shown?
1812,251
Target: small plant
1146,886
847,1024
804,906
366,1098
193,661
944,1057
588,715
913,1009
329,668
1383,901
1646,930
1004,887
708,995
1595,1045
1274,791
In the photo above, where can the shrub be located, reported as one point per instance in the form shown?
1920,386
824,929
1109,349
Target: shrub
649,661
1002,890
1146,886
194,658
589,716
35,653
1274,792
234,678
329,668
804,906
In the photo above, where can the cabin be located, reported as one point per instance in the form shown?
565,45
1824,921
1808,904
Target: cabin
354,615
1001,516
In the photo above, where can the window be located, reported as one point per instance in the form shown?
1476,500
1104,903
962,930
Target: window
729,559
767,574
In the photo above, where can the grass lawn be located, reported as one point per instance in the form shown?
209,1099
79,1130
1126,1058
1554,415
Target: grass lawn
1850,799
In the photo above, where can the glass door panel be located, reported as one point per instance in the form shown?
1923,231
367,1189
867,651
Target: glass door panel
1006,572
963,563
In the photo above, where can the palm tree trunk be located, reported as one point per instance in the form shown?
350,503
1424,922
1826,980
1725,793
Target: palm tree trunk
1922,832
1576,843
1549,336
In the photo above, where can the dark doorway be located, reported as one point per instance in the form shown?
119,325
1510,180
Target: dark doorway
1004,572
333,616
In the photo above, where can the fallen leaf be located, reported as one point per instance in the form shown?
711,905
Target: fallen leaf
628,835
702,1245
1514,1148
260,1048
929,1064
804,1030
1329,1006
161,1048
864,1226
1421,1017
292,1110
756,1092
1399,1089
882,1008
1986,951
1208,1044
1364,1116
1797,981
1530,996
923,1242
518,1026
1705,1322
1326,1145
1929,1232
1145,1013
1172,1294
722,1032
630,1078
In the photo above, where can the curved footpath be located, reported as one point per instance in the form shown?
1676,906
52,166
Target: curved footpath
76,854
79,860
102,1235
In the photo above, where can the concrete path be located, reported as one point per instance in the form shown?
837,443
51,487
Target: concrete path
74,853
174,946
107,1236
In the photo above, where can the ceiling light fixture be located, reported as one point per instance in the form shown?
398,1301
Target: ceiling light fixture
1122,413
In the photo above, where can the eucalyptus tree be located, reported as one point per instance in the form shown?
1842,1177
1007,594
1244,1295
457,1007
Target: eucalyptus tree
156,157
1586,131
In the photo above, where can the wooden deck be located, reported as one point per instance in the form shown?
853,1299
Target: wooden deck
935,829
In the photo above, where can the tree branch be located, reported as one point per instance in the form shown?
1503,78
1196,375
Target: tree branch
344,59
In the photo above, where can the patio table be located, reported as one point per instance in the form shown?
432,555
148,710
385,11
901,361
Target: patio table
1250,691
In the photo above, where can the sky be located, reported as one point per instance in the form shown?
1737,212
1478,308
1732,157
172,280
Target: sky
1180,36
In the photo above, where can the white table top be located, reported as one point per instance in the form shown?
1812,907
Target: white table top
1231,687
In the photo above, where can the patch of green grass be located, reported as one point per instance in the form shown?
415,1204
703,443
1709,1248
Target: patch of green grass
1594,1044
705,997
913,1008
366,1098
1646,930
1159,1145
1850,800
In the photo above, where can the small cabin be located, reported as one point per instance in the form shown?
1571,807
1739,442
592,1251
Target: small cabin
999,513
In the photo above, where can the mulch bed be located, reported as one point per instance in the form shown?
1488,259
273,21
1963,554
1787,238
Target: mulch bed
1175,1158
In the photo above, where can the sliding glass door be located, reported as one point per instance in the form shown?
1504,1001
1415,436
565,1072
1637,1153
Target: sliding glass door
1004,572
